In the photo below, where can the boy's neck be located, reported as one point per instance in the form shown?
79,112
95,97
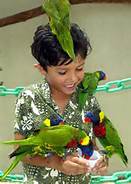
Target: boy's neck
61,100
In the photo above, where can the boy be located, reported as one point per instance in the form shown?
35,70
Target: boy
54,98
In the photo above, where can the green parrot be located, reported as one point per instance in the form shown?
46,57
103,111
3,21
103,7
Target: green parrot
46,140
88,86
59,20
107,134
112,142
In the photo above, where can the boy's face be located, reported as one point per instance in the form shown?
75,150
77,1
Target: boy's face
64,79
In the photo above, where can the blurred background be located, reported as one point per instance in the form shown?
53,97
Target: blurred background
109,29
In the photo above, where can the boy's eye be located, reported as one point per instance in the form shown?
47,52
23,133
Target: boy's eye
80,69
62,73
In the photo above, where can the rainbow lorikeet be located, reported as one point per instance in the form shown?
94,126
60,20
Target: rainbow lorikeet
58,12
52,139
107,134
88,86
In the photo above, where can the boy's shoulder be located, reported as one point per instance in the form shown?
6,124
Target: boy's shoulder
34,89
92,104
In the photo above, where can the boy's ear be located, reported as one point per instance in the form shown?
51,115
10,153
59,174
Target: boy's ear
40,68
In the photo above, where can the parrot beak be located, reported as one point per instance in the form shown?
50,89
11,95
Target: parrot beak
105,78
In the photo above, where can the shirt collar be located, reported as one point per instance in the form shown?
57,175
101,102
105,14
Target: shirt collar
46,92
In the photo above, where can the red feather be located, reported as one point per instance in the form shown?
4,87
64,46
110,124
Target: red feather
87,120
72,144
100,130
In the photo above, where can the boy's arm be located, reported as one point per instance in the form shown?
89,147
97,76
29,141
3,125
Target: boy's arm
72,165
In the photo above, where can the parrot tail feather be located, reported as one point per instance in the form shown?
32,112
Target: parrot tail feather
12,166
123,156
125,160
14,153
22,142
111,150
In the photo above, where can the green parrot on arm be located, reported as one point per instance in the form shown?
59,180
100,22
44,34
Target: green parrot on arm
88,86
58,13
53,139
107,134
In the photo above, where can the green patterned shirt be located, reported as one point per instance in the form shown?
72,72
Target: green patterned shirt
33,106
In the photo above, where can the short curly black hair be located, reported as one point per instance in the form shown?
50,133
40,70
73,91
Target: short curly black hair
47,50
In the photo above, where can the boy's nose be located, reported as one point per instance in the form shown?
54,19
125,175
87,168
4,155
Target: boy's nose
73,77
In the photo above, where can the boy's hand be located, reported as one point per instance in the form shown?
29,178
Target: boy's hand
101,166
74,165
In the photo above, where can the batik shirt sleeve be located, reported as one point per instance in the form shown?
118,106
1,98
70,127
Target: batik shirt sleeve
25,113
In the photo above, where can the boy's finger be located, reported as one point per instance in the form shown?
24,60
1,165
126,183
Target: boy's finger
80,161
74,168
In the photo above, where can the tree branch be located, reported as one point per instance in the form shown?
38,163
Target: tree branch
23,16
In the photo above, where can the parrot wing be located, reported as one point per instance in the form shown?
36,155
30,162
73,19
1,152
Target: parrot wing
58,135
58,12
89,80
